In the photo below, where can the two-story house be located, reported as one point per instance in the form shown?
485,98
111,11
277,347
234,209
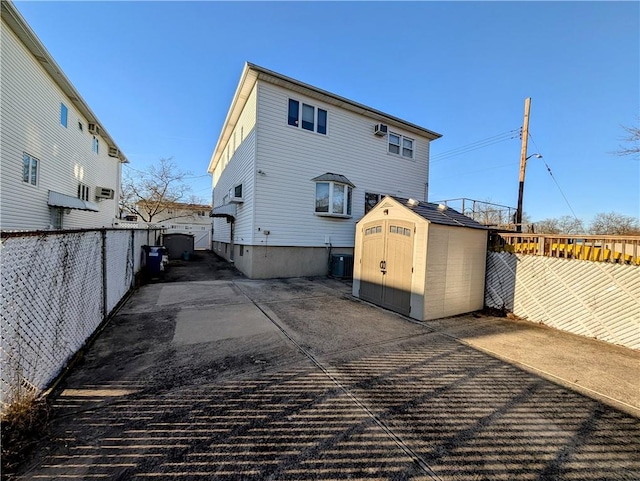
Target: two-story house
60,167
179,218
295,167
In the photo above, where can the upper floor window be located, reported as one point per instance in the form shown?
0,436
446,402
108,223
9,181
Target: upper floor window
96,145
400,145
29,169
83,191
334,195
307,117
63,115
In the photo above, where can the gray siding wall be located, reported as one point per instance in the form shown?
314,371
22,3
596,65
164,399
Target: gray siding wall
30,119
291,157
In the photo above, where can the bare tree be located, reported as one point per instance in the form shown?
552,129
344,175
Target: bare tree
632,139
612,223
153,191
565,224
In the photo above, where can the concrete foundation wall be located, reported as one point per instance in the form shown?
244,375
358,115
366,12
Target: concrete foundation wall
260,262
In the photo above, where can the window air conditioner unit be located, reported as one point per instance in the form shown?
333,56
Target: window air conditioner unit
104,193
113,152
236,200
93,129
380,130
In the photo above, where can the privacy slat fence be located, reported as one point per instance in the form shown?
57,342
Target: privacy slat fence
56,289
549,279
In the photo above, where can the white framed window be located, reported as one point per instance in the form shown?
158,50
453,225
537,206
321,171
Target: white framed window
29,169
235,194
96,145
57,217
333,199
64,111
400,145
307,117
83,191
371,200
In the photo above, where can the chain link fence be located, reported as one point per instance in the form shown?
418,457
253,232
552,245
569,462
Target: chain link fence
56,289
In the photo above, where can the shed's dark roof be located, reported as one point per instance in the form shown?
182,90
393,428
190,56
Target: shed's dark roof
447,216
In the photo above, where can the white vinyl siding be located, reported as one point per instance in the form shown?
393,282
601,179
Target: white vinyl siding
30,114
239,169
290,158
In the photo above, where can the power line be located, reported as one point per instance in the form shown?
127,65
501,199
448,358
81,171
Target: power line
478,144
474,171
554,179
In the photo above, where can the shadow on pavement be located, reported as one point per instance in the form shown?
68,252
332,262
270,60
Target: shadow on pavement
361,394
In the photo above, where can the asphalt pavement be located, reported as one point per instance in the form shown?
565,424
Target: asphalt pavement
209,375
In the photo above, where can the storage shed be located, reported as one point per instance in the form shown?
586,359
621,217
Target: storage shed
177,244
419,259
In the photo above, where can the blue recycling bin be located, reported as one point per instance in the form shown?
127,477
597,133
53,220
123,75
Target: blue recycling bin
155,259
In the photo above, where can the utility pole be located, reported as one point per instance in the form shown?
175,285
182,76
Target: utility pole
523,162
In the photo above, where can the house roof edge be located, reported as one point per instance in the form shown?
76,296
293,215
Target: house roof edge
252,73
30,40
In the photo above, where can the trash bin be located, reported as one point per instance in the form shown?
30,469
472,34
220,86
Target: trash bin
156,260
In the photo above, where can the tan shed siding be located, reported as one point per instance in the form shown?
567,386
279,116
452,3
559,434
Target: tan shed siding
455,271
436,272
418,280
239,169
291,157
30,117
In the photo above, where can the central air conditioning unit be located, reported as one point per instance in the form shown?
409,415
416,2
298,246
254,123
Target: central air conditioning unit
341,266
104,193
113,152
93,128
380,130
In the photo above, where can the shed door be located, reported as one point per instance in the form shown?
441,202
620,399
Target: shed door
387,264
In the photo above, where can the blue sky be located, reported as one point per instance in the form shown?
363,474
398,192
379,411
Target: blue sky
160,76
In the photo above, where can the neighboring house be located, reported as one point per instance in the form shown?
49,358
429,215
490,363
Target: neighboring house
295,168
60,167
174,213
176,217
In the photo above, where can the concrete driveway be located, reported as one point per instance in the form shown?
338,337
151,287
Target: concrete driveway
294,379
